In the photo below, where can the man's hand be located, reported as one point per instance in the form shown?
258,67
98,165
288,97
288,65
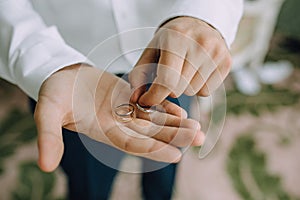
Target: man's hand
191,57
82,99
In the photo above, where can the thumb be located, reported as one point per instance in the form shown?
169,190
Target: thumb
142,73
50,143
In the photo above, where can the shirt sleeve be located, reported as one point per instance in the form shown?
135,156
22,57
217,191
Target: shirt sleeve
223,15
29,50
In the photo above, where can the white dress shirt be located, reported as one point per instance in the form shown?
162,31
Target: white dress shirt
39,37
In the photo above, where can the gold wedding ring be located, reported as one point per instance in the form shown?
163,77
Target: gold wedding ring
124,113
145,109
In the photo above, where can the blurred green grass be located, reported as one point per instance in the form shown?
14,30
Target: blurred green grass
289,19
285,44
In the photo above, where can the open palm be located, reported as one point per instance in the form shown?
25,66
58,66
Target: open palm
82,99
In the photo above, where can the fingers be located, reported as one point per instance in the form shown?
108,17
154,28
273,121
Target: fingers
168,127
187,62
146,139
139,76
190,68
216,78
200,77
50,143
166,107
173,109
166,119
211,73
176,136
167,78
147,147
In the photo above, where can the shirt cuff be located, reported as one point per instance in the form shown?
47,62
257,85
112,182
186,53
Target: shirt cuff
40,56
223,15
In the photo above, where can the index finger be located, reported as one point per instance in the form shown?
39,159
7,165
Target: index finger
167,78
139,76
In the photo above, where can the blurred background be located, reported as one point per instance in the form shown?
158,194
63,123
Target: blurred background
257,156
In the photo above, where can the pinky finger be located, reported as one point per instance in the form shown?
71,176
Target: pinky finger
215,79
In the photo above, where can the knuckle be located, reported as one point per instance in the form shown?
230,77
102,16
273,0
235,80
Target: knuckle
130,75
128,145
176,94
192,124
199,80
180,88
204,92
207,43
220,52
227,63
154,147
178,28
153,130
168,82
190,91
171,138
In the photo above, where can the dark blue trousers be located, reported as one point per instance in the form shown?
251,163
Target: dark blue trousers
90,179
